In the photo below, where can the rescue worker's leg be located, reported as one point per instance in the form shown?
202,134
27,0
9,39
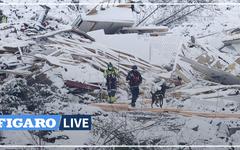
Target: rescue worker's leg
135,93
113,98
113,91
109,95
132,92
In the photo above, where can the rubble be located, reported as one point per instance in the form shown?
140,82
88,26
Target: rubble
186,113
105,20
51,64
149,29
233,39
43,16
214,74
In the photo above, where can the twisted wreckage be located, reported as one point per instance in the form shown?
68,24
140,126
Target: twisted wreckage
75,57
66,49
68,57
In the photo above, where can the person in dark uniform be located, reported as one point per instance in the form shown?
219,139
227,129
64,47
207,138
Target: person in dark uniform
135,79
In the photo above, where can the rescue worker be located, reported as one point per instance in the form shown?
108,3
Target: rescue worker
111,75
3,18
135,79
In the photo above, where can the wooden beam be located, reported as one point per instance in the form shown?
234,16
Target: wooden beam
123,107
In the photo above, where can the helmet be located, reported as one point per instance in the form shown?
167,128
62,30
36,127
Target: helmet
134,67
110,66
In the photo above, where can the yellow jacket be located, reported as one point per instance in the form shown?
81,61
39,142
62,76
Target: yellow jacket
111,72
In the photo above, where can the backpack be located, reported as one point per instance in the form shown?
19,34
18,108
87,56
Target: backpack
136,78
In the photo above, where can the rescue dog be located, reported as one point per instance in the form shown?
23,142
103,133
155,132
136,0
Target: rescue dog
159,95
157,98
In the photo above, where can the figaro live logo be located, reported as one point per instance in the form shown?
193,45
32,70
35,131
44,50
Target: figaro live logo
45,122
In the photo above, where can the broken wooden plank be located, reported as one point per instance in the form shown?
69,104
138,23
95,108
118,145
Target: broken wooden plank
84,34
81,85
52,60
43,15
212,74
123,107
201,90
145,29
49,34
17,72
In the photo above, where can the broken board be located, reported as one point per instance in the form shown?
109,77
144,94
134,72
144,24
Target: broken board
123,107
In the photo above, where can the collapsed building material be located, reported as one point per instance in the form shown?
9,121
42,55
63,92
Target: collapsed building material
234,41
67,29
17,72
150,50
76,30
81,51
122,107
182,76
176,18
101,20
80,85
145,18
14,45
205,89
212,74
205,59
161,21
43,15
70,52
145,29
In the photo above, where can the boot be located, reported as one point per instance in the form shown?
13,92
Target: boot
114,99
110,99
133,104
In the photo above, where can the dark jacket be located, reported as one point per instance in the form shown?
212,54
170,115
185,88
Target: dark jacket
111,77
134,78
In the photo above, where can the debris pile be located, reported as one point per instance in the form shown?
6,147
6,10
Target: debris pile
52,62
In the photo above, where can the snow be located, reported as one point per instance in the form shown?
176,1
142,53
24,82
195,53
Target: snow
209,28
77,73
156,50
113,14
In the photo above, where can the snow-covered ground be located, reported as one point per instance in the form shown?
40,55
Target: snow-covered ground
209,27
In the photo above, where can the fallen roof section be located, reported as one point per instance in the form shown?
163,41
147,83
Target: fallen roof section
212,74
67,29
110,20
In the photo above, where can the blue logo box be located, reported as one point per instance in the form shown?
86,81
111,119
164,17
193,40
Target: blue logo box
45,122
